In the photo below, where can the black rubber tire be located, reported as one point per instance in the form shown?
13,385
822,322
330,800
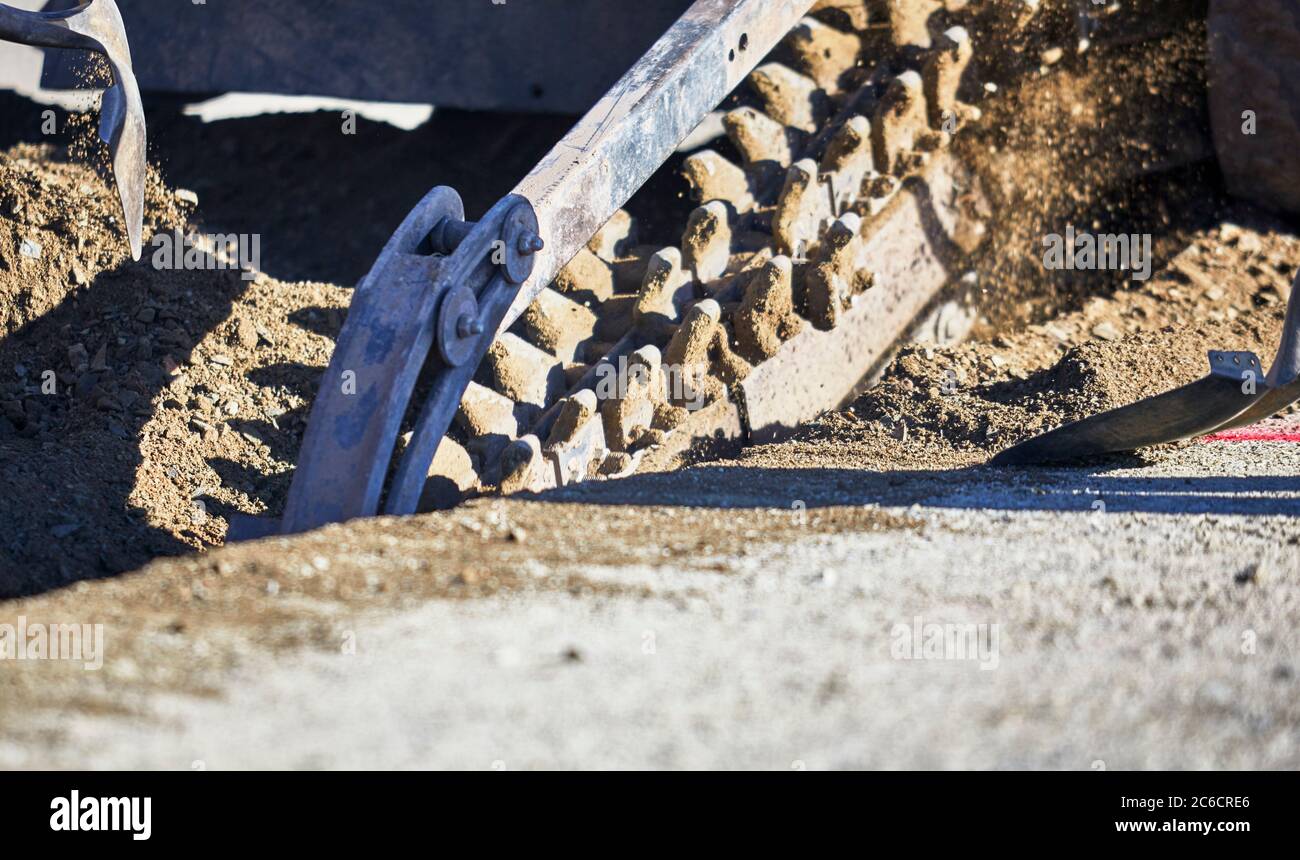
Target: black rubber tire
1255,66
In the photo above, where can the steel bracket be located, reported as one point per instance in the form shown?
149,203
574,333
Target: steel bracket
440,280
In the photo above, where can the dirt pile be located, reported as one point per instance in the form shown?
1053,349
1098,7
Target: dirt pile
138,405
957,406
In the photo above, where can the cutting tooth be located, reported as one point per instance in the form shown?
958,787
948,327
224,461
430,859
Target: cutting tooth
668,416
761,138
713,177
558,325
577,440
574,373
900,119
942,76
489,419
909,20
833,280
575,411
824,53
707,241
848,160
766,316
688,355
523,469
587,279
854,14
666,289
615,239
630,411
617,464
524,373
727,365
803,206
451,476
790,98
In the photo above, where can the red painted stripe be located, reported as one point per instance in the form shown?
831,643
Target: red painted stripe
1254,434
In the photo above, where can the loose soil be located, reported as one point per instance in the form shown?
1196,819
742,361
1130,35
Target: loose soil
140,408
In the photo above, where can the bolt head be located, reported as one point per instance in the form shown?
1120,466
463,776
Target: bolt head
530,243
469,326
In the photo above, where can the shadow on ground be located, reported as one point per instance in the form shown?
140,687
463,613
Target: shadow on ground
973,488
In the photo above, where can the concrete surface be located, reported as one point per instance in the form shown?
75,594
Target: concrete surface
1156,630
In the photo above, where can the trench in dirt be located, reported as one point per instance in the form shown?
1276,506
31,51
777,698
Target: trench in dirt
179,397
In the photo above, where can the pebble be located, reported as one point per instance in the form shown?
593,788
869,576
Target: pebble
207,430
246,333
31,249
187,196
222,360
1105,331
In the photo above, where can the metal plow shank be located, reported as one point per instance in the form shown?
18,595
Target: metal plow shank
1232,395
96,25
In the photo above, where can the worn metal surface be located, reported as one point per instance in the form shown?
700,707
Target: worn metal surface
639,123
347,450
911,249
96,25
523,55
1235,393
513,222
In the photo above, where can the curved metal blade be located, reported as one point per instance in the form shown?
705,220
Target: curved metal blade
97,26
1231,396
1194,409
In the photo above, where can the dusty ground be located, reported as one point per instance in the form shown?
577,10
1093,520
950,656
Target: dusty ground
743,612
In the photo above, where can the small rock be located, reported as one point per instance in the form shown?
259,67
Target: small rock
222,360
64,530
147,315
31,249
246,333
208,432
1106,331
187,196
1250,573
77,355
